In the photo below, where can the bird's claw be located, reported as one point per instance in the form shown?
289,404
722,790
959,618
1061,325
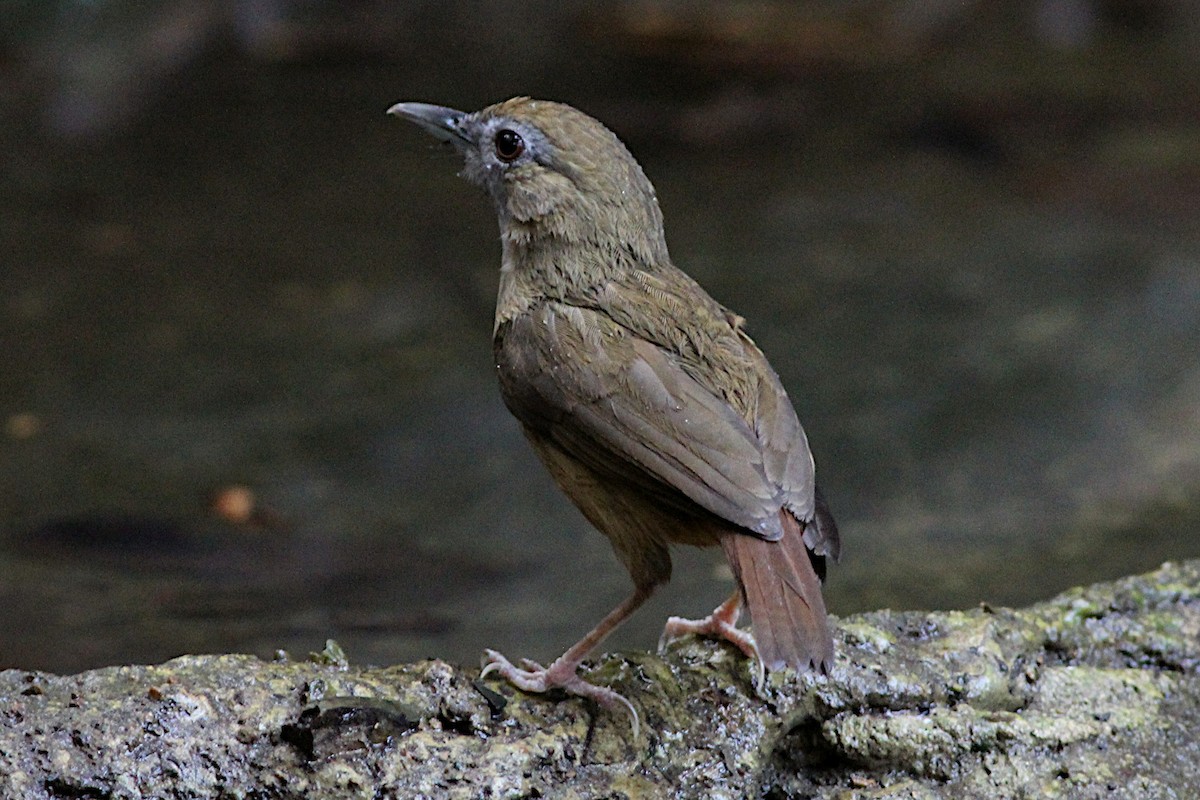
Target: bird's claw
536,679
716,626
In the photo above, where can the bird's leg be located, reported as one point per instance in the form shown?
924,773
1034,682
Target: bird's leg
720,624
562,674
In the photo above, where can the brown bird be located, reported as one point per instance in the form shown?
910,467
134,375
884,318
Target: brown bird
646,399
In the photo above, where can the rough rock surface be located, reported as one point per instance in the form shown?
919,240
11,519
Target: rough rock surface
1093,694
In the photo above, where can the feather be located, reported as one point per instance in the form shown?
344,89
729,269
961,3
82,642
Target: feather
783,594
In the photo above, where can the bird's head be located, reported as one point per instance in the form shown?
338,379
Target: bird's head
552,171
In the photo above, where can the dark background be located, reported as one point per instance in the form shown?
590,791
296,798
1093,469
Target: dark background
966,234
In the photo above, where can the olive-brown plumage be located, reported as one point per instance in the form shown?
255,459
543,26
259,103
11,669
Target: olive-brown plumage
647,401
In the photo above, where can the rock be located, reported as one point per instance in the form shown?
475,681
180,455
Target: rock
1094,693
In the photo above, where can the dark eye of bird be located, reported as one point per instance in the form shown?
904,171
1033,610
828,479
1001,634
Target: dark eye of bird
509,145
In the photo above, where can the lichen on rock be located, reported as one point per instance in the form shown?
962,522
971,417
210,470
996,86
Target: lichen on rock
1094,693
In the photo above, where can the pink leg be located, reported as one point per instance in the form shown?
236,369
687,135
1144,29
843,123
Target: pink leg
720,624
562,673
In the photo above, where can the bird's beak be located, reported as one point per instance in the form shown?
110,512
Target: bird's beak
440,122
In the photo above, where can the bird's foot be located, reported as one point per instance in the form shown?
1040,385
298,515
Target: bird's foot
532,677
720,624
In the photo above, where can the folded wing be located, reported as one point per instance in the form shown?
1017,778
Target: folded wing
628,409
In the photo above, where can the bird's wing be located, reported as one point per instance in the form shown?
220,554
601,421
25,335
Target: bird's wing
789,461
628,409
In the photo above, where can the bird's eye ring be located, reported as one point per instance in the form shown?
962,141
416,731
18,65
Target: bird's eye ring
509,145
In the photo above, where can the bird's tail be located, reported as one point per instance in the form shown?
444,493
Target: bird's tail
783,594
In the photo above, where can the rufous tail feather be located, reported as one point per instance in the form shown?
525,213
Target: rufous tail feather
783,595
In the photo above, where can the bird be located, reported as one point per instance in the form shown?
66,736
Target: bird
647,400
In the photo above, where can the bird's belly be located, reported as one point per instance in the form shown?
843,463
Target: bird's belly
640,525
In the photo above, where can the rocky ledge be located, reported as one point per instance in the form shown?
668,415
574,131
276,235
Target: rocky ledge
1095,693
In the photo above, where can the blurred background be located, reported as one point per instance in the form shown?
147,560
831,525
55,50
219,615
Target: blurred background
246,395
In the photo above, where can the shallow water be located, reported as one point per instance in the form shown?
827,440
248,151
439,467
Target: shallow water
269,283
